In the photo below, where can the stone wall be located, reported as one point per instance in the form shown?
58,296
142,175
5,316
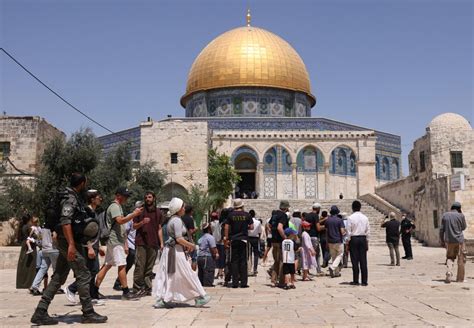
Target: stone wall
186,138
28,137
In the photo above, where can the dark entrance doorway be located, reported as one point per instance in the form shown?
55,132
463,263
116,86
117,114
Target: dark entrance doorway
245,164
246,185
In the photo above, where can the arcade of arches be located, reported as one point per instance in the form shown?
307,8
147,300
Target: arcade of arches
308,170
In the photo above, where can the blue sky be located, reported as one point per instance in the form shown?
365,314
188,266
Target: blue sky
390,65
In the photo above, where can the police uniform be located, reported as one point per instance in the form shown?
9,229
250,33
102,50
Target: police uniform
72,211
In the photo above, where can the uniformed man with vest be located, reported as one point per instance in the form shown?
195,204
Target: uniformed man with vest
71,255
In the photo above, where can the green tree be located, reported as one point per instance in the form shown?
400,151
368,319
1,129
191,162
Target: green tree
201,202
222,177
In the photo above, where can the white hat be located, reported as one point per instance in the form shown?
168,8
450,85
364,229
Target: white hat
316,205
175,205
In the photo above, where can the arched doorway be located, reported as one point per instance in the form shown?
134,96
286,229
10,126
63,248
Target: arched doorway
245,162
171,190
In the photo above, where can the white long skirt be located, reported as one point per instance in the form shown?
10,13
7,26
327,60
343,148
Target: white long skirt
181,286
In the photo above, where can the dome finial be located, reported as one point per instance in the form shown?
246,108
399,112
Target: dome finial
249,17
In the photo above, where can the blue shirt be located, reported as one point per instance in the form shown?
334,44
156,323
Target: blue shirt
206,242
333,227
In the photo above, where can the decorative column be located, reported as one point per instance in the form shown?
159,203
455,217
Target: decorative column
260,181
294,176
326,180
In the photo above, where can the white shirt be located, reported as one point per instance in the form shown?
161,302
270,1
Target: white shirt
288,251
257,228
357,225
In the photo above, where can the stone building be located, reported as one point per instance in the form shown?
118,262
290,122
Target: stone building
248,95
22,143
441,172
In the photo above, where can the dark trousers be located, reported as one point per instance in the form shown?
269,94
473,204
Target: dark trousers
358,252
93,266
63,266
238,256
206,269
255,244
145,257
406,239
130,263
325,251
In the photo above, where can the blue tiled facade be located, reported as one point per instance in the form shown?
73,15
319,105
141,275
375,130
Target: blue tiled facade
110,141
249,102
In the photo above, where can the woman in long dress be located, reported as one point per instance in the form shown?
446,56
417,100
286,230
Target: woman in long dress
308,253
26,268
175,280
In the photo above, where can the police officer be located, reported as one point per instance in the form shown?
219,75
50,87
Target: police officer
406,227
71,256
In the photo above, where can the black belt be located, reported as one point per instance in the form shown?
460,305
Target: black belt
359,236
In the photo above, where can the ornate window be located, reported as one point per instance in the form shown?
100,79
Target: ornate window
310,159
343,161
277,159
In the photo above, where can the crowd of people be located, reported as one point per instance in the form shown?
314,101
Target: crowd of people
173,265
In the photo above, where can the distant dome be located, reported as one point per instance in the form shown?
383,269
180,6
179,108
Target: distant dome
449,121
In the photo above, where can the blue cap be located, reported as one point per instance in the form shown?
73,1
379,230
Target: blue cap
289,231
334,210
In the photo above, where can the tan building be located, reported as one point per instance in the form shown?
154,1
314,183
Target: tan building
441,170
22,143
248,95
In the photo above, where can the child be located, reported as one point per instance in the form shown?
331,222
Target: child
308,253
289,247
33,236
207,256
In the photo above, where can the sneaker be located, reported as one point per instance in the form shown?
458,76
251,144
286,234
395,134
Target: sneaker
97,302
35,292
70,296
93,317
117,287
41,317
160,304
202,300
130,296
100,296
29,251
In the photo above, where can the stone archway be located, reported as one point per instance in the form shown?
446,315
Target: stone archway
245,163
171,190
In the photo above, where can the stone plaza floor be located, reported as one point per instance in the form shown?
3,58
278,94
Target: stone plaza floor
412,295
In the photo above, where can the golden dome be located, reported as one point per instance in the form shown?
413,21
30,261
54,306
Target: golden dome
248,57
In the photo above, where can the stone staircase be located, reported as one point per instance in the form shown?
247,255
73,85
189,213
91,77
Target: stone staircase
264,208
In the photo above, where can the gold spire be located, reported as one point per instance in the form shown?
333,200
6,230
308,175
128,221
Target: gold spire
249,17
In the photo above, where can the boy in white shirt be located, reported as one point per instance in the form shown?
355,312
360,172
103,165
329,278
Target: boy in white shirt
289,248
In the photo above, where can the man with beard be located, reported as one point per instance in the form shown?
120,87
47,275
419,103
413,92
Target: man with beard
149,237
71,256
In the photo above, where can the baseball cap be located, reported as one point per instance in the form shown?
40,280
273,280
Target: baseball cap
123,191
316,205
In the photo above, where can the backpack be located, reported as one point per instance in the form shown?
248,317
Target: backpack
52,213
104,229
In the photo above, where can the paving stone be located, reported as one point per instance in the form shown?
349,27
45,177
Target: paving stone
412,295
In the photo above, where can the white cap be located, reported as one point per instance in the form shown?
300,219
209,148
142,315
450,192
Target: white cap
316,205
